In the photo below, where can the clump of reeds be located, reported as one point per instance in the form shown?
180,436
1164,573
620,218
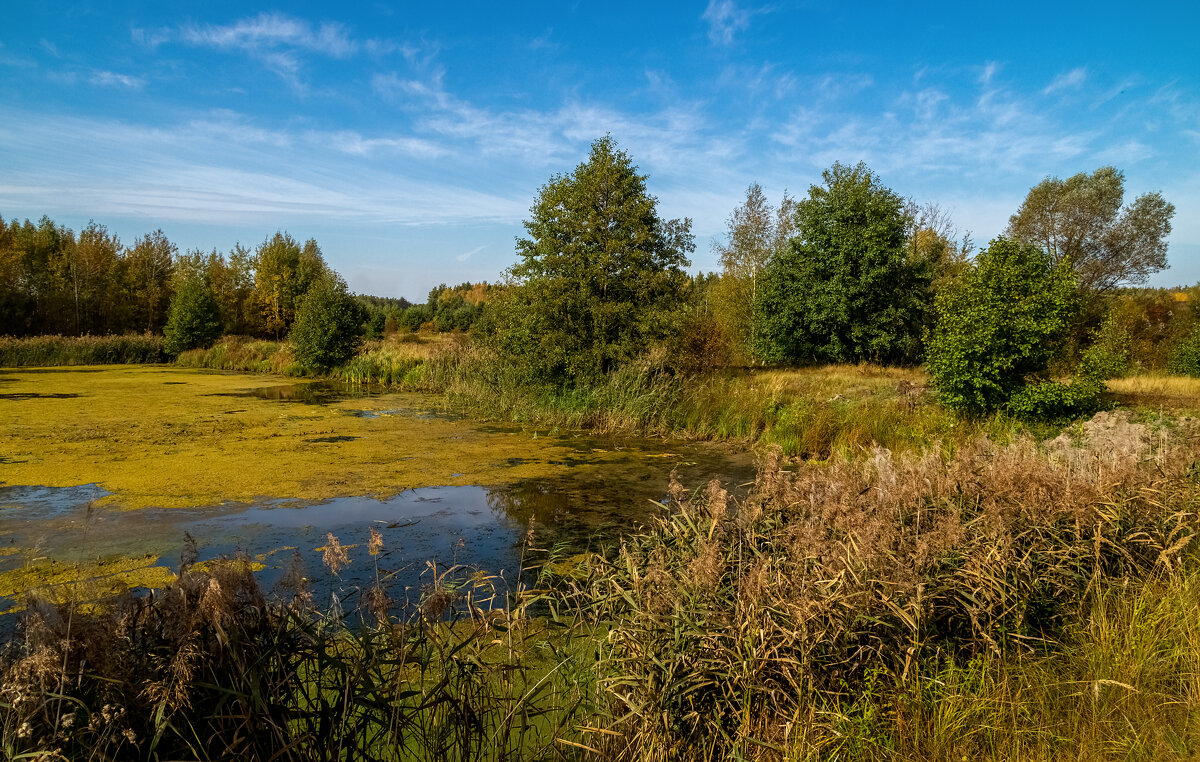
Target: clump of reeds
776,625
211,668
245,354
81,350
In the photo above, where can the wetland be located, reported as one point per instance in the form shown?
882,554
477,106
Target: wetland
104,471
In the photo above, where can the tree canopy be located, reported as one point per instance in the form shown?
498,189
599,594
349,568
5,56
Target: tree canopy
1081,220
846,288
1000,325
600,275
756,230
328,326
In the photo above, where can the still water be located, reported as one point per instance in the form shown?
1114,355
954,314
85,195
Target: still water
582,503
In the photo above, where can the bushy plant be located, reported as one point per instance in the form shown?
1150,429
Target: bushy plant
1057,400
1185,360
1109,356
1001,324
194,320
328,327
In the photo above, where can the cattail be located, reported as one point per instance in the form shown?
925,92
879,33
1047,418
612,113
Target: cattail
336,557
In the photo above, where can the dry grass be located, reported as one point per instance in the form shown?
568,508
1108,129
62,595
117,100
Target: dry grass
794,622
1154,391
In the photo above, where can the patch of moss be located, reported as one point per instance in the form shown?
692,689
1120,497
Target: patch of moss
60,582
188,443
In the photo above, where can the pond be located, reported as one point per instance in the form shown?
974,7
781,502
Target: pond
103,475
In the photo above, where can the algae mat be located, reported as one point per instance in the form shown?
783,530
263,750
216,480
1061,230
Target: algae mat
159,436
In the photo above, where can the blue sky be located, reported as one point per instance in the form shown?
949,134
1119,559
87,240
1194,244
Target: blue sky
410,139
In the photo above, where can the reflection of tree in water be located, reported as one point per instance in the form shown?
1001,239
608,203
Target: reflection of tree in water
545,502
576,511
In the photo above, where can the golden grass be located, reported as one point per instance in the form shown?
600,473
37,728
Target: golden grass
1176,392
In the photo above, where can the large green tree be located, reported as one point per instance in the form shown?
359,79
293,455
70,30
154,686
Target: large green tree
846,288
600,274
328,327
1081,220
1000,325
194,320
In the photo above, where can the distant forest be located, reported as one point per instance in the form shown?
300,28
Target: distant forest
54,281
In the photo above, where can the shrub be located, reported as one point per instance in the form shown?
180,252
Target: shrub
1185,360
1056,400
1001,324
1109,356
328,327
194,320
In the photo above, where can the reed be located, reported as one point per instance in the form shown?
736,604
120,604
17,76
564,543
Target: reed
35,351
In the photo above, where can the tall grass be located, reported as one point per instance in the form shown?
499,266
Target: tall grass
842,609
245,354
81,350
210,668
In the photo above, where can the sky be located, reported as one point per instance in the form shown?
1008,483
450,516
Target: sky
410,139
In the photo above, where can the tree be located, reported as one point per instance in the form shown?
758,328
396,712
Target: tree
1080,220
600,276
756,231
845,289
329,324
283,273
148,267
1000,326
194,320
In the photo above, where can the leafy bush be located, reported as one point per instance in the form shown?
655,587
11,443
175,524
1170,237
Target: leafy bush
1057,401
1109,356
328,327
194,320
1185,360
1001,324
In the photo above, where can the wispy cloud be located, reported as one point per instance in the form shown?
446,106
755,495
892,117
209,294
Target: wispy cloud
277,40
725,19
113,79
274,31
1069,80
468,254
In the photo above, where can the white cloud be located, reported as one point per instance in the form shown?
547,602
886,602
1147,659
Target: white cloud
1070,80
468,254
113,79
725,19
274,30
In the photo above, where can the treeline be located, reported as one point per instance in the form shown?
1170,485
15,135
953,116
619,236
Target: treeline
448,308
854,272
54,281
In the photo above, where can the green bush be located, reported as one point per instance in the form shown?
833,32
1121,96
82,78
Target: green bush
1057,401
999,326
328,327
194,321
1185,360
1110,355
